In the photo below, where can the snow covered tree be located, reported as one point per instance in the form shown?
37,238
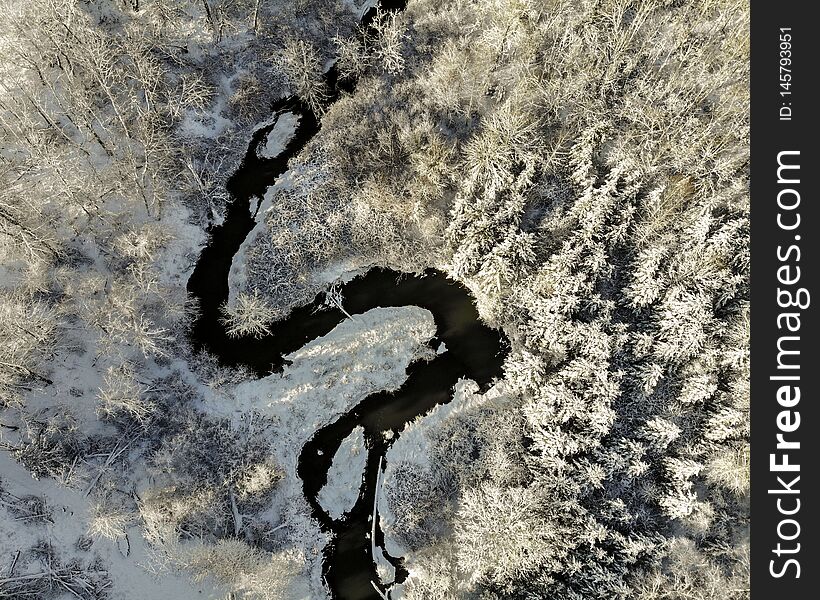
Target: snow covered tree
500,533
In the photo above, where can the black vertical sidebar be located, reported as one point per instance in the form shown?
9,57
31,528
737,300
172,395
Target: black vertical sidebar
784,397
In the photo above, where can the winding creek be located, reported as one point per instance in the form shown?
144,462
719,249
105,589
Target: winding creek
473,351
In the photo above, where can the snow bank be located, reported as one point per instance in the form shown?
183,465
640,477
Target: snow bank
279,136
179,257
344,478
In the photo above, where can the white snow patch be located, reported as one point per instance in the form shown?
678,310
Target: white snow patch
207,125
179,257
343,271
278,138
344,478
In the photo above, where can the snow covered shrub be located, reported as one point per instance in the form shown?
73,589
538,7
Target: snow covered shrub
257,480
51,444
249,93
108,521
389,30
302,65
122,397
433,577
351,59
170,512
249,315
215,375
418,503
223,561
142,244
254,574
171,397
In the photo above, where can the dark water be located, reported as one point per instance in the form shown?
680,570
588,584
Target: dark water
473,350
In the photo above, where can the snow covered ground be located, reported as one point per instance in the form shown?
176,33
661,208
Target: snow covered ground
127,560
344,478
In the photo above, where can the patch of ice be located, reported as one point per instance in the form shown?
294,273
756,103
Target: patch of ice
344,478
385,571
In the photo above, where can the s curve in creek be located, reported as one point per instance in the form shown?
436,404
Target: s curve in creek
474,350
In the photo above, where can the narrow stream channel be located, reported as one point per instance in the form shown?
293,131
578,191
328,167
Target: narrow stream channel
473,350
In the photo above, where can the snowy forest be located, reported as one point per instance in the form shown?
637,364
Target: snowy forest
419,300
